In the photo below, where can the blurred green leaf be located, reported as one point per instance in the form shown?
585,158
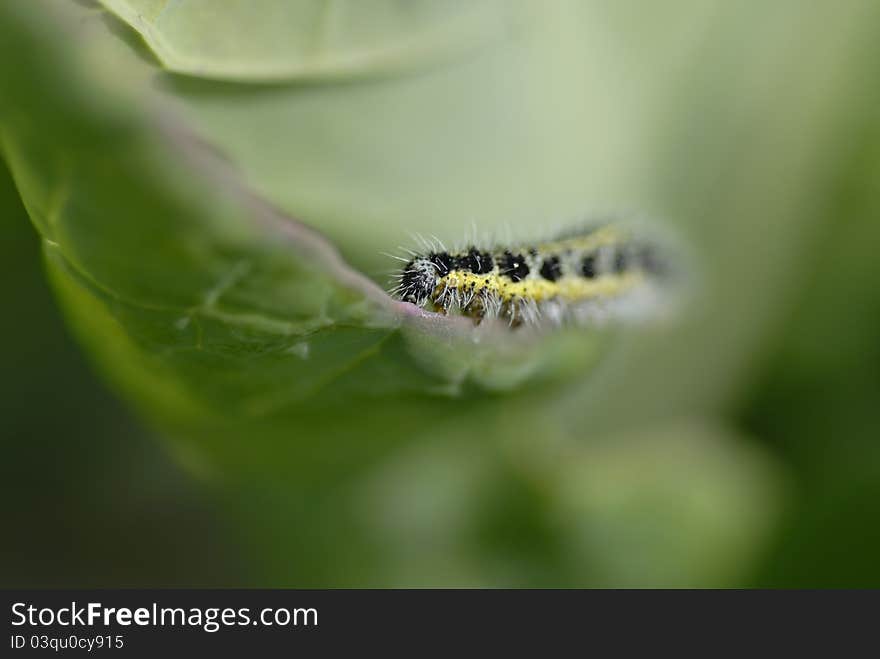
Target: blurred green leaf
274,40
684,504
681,505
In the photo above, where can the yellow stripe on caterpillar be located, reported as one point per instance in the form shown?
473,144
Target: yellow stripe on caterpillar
570,289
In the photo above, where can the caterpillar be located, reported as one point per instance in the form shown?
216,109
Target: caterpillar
589,275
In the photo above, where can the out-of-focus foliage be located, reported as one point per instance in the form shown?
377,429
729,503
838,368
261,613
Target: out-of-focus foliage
279,41
162,178
817,398
87,496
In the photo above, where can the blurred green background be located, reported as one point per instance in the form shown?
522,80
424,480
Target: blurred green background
739,448
90,498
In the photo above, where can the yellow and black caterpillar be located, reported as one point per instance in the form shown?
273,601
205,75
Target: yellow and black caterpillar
604,272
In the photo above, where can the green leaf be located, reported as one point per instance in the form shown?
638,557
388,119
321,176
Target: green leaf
276,40
683,504
680,505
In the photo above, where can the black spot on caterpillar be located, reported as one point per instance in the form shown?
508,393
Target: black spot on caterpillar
589,275
551,268
513,266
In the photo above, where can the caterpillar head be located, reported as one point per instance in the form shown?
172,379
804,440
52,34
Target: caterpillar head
420,277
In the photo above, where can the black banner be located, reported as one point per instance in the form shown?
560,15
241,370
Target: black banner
135,622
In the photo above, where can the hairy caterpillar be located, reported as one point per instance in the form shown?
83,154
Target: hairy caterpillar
606,271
